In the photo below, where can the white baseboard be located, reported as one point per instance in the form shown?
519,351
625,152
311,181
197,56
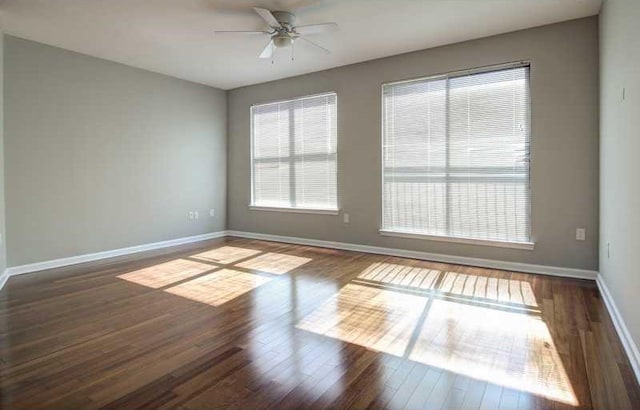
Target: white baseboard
618,322
435,257
4,277
89,257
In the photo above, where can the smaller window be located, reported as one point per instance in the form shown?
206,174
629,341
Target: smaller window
294,154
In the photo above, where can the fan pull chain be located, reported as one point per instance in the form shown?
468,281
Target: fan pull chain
292,44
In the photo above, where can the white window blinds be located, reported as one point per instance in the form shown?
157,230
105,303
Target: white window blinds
294,153
456,156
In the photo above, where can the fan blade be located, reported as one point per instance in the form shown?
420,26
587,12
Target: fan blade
268,50
239,32
316,28
324,50
268,17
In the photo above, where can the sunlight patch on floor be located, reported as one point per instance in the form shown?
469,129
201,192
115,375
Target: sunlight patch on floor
218,287
394,274
376,318
166,273
471,325
501,290
225,254
510,349
275,263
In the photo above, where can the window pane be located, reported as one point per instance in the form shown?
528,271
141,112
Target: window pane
315,183
315,124
271,131
456,156
272,186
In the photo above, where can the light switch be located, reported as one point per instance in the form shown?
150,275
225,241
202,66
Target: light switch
580,234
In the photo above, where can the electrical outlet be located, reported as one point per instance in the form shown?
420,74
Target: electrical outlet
212,212
345,218
580,234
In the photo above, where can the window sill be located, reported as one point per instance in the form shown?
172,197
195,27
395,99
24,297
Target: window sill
470,241
295,210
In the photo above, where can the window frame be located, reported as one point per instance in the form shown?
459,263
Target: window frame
319,211
524,245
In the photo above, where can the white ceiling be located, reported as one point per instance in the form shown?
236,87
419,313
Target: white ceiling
175,37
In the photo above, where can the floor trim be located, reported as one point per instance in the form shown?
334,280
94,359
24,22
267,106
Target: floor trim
436,257
618,322
89,257
4,277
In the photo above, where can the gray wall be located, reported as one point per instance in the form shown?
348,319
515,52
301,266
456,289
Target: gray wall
564,169
619,151
3,242
102,156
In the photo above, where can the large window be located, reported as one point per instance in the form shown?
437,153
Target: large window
456,156
294,155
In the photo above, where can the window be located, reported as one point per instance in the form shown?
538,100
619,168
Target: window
456,157
294,154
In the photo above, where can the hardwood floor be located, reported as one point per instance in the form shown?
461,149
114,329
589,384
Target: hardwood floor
246,324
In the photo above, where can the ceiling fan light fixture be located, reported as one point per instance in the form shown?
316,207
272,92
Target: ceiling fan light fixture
282,41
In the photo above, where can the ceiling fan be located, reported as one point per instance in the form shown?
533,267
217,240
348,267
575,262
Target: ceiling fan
283,31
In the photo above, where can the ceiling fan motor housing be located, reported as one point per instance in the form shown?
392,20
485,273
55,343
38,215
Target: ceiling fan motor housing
284,17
